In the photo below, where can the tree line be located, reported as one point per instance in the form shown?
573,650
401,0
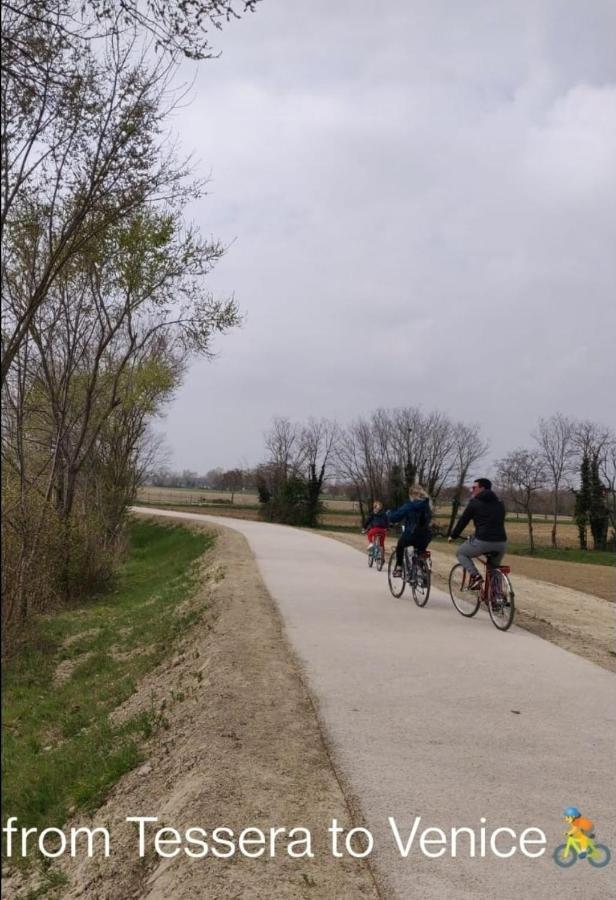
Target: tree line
379,455
103,278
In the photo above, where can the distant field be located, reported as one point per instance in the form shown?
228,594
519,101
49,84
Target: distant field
194,497
345,512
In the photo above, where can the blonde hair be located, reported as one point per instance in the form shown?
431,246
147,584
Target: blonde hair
418,491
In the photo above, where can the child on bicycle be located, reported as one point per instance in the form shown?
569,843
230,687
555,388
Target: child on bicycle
416,514
376,525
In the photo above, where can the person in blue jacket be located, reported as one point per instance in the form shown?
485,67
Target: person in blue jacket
416,514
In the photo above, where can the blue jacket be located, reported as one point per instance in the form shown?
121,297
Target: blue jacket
416,515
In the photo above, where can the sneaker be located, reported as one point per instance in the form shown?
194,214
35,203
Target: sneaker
475,582
397,572
370,546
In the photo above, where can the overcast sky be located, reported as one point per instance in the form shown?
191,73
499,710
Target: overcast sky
420,197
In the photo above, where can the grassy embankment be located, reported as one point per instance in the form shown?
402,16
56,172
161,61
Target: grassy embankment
60,751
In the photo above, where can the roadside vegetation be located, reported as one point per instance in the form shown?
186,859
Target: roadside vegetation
105,296
61,752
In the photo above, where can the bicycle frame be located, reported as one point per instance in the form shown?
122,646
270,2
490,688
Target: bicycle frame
485,595
495,593
576,846
412,560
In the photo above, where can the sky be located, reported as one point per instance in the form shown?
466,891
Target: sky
419,203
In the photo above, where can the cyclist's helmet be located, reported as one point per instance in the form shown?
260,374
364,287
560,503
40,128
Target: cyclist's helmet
572,811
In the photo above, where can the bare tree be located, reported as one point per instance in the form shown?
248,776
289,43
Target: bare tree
284,447
468,448
523,473
318,440
556,439
360,461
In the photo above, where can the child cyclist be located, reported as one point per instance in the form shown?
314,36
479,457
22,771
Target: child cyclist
376,525
416,515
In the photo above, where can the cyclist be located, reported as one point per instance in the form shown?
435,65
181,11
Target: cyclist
487,512
416,514
581,828
376,525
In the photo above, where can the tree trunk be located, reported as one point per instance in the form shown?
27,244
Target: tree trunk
555,522
455,506
531,536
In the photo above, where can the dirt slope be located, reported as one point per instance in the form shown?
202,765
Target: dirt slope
241,746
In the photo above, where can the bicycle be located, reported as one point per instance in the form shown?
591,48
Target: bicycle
496,593
416,571
376,554
565,855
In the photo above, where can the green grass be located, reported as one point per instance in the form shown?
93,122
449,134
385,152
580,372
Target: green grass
567,554
59,750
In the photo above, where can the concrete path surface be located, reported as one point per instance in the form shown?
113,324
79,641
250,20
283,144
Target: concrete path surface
432,715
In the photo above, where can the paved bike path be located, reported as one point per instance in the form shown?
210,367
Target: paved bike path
433,715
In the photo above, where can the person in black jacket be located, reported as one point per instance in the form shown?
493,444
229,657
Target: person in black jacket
487,512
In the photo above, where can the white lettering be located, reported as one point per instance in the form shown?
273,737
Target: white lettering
199,840
502,854
524,840
335,830
142,820
226,842
454,840
160,841
90,832
439,839
25,833
361,854
404,849
245,841
482,838
9,830
305,840
52,854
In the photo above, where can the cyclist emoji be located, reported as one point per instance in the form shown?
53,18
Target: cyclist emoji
580,842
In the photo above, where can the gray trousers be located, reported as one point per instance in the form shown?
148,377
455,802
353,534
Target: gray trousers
474,547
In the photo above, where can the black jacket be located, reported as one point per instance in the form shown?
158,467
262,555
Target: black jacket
487,513
377,520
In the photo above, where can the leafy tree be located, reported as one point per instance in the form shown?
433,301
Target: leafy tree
598,511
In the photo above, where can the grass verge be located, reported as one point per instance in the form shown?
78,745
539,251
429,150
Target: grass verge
60,751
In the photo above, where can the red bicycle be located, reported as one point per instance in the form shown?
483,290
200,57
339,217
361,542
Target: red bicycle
496,593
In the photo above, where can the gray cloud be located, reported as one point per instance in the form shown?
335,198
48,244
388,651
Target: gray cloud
423,205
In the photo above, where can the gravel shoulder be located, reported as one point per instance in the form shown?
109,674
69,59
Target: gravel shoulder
240,745
574,620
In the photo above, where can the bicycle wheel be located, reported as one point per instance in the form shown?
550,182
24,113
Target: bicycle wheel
396,585
380,560
600,856
465,601
564,856
501,603
420,585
